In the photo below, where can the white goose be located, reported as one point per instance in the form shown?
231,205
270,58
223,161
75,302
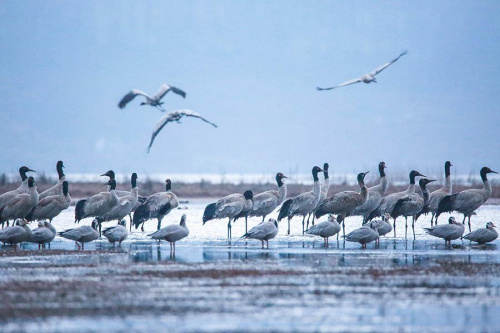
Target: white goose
156,206
51,206
266,202
483,235
343,203
84,234
375,195
20,205
58,188
16,234
302,204
263,231
325,229
7,196
117,233
467,201
172,233
369,77
154,100
171,117
228,207
436,196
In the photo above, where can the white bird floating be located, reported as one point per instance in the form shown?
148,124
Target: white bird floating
153,101
369,77
174,116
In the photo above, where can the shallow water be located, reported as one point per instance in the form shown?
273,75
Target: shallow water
213,284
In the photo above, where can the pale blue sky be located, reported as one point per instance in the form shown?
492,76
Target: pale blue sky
252,68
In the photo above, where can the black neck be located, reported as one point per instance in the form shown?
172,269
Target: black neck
168,186
315,175
279,181
447,166
59,169
65,188
381,170
412,177
23,174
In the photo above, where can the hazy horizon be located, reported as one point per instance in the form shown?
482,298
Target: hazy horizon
251,68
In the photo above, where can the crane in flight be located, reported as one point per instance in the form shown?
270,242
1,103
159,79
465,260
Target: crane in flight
154,100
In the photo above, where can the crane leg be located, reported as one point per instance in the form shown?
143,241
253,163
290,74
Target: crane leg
303,223
288,233
469,225
229,229
246,224
394,227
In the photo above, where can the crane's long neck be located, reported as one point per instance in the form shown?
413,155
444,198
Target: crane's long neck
447,181
425,194
486,184
316,186
364,190
411,188
281,193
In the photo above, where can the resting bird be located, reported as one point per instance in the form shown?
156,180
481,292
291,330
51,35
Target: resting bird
172,233
451,231
483,235
174,116
45,233
153,101
16,234
366,234
21,204
369,77
467,201
383,226
117,233
263,231
51,206
325,229
125,204
82,235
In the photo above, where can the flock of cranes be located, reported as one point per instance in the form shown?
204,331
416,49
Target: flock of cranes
155,101
25,205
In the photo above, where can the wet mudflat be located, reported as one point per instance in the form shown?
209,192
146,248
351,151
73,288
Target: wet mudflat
213,285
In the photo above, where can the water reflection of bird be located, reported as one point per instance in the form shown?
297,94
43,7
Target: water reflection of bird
171,117
154,100
369,77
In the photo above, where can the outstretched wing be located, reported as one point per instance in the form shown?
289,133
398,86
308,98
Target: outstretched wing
384,66
159,126
165,88
189,113
341,85
130,96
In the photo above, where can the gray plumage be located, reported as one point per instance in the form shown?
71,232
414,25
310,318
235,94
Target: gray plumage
266,202
303,204
57,189
364,235
51,206
451,231
325,229
117,233
437,195
263,231
375,195
172,233
171,117
369,77
45,233
469,200
323,193
23,188
383,225
124,205
150,100
229,207
16,234
101,203
84,234
21,204
483,235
